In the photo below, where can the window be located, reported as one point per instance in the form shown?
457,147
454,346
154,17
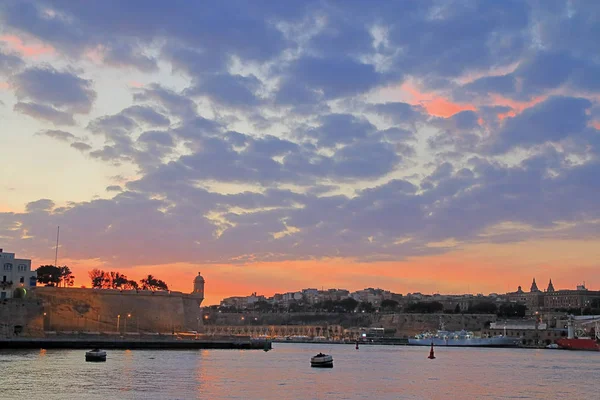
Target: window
22,280
8,267
22,267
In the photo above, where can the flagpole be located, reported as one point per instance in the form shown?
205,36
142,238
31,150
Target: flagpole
56,252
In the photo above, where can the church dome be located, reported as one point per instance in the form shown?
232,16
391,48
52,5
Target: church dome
199,278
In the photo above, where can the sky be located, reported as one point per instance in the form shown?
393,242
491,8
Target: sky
416,146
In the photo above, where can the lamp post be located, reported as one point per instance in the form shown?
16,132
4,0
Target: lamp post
125,323
119,323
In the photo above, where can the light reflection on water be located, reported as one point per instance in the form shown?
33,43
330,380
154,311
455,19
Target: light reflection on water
373,372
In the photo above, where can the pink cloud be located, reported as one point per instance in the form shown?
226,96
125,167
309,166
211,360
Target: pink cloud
516,106
434,104
17,44
4,85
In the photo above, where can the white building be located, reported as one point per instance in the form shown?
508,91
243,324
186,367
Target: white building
14,273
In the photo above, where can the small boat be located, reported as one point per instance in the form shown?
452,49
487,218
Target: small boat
95,355
321,361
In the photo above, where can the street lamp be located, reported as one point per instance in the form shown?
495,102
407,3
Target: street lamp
118,322
125,323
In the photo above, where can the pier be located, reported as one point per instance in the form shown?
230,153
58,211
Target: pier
228,343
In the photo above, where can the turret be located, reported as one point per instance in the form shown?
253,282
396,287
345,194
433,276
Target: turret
534,287
550,286
199,286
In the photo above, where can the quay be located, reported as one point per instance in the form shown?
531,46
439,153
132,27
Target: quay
231,343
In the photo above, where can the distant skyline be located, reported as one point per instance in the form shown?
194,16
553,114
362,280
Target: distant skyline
416,146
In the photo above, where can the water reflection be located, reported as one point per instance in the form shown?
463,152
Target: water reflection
375,372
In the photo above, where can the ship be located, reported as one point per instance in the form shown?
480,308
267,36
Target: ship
579,339
461,339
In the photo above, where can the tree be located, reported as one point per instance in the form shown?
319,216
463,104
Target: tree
263,306
389,305
111,280
99,278
131,285
365,306
508,310
151,283
349,304
425,307
67,277
117,280
49,275
483,307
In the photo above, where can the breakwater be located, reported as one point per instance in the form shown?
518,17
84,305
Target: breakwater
231,343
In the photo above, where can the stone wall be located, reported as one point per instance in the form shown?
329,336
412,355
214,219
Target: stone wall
403,324
126,311
21,317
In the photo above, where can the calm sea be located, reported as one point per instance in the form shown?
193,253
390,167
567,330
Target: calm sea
372,372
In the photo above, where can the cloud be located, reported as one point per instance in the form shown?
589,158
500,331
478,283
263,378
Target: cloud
124,54
45,113
39,205
229,90
177,104
146,115
9,63
341,129
313,129
81,146
114,188
550,121
58,135
57,89
335,77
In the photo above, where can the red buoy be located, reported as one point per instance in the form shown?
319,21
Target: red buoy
357,345
431,355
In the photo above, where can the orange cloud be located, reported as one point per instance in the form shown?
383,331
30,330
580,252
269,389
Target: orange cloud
136,84
516,106
4,85
434,104
16,43
596,125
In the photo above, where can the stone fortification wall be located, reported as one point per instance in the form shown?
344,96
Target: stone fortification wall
21,317
403,324
126,311
412,324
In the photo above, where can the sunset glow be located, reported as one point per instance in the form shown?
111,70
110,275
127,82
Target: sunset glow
311,145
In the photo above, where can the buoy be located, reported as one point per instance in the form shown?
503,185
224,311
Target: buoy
431,355
356,345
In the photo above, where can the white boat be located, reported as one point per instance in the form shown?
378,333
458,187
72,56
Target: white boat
95,355
321,361
461,339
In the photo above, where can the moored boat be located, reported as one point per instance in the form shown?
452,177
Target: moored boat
461,339
321,361
576,342
95,355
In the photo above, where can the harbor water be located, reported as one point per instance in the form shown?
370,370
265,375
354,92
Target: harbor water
371,372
